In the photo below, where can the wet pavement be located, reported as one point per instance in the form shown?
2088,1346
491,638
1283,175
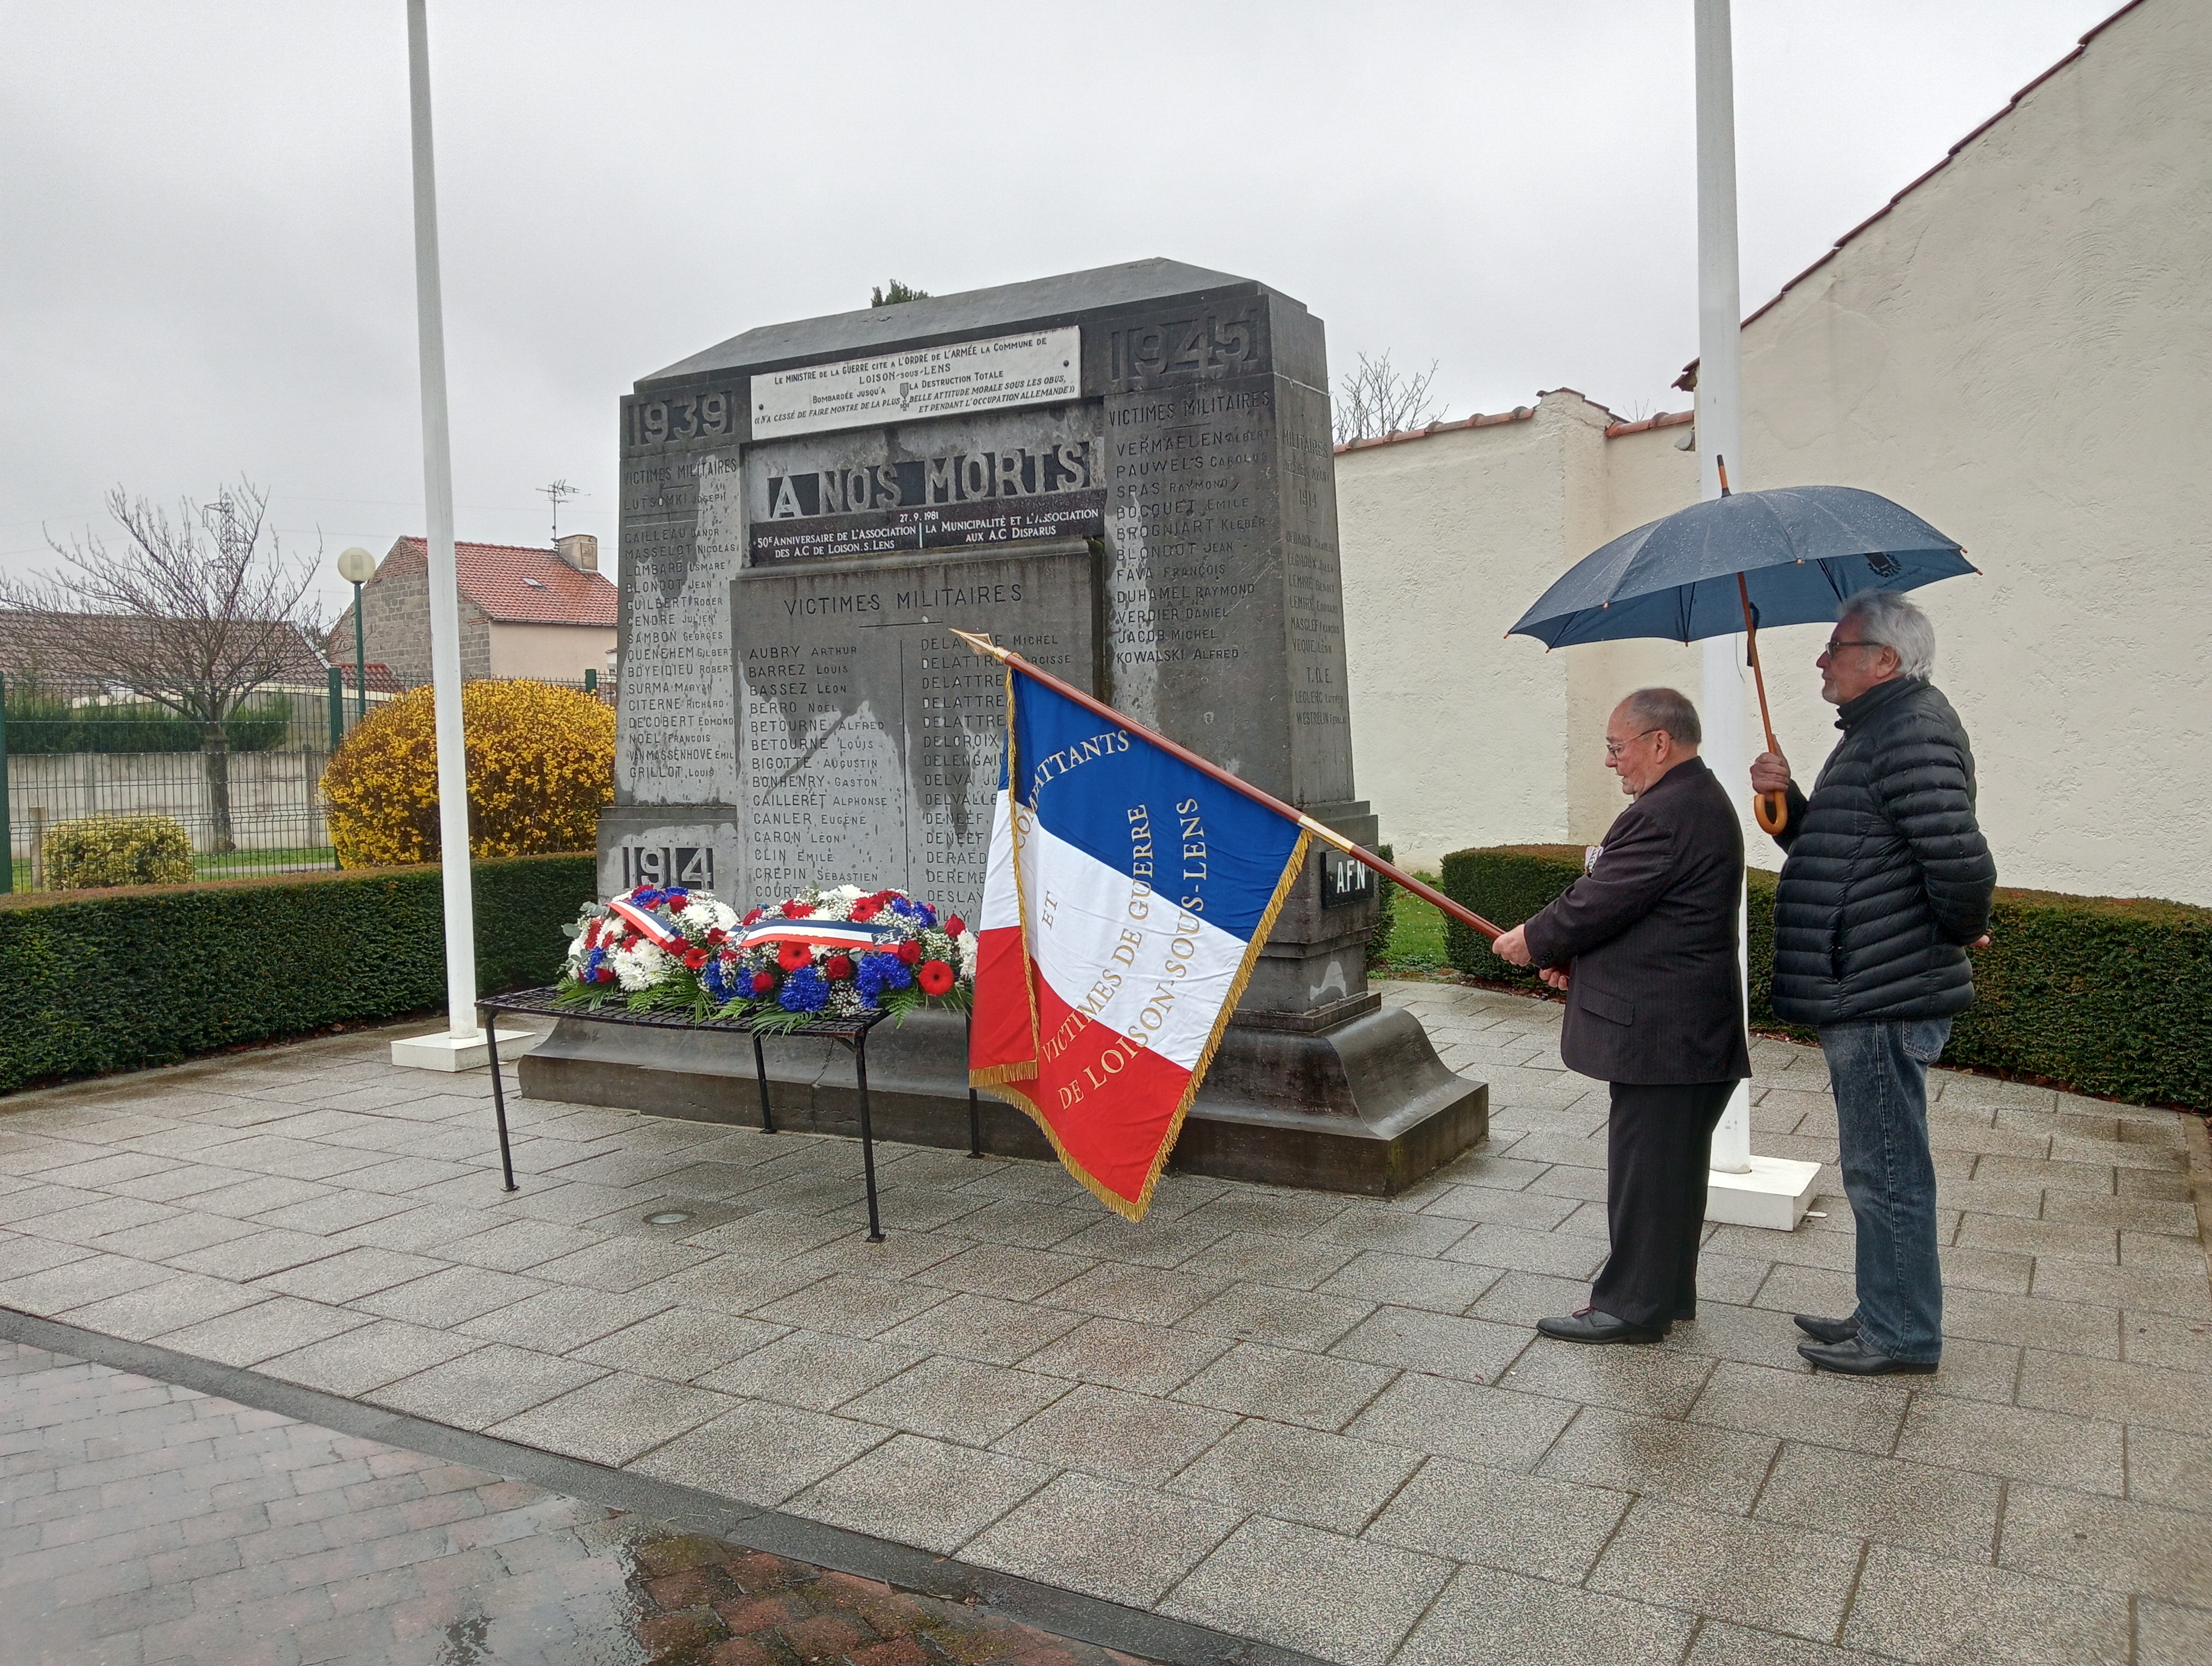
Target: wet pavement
1324,1422
141,1523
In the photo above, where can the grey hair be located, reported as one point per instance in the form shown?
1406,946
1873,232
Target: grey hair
1666,708
1886,618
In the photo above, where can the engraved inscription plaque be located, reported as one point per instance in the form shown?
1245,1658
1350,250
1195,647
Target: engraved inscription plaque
868,735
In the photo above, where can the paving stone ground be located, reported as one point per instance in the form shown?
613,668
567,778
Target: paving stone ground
143,1523
1321,1421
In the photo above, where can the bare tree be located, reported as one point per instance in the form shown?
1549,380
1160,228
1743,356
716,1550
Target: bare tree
1376,398
195,613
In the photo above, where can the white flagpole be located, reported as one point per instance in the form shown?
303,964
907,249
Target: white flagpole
1720,434
445,590
1748,1191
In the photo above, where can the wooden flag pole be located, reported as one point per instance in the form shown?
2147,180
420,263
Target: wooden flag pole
1773,809
1327,836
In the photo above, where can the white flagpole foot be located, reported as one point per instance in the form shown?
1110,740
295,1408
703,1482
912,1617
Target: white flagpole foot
443,1050
1773,1194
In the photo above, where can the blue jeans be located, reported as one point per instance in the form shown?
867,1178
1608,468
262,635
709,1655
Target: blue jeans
1879,1073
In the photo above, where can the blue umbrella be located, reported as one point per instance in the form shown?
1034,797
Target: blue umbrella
1740,560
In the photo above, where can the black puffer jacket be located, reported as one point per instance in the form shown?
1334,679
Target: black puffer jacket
1888,875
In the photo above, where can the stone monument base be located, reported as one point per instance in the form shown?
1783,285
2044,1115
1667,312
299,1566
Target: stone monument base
1363,1106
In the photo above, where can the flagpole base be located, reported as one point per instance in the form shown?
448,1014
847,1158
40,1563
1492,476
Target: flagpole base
1774,1194
443,1051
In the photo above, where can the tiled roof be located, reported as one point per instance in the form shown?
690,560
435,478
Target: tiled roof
517,585
77,653
1518,414
1688,379
1664,419
382,680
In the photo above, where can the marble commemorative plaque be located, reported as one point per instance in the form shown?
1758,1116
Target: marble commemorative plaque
868,735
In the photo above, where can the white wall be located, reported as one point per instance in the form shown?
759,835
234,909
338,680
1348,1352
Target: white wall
2018,352
556,652
1439,537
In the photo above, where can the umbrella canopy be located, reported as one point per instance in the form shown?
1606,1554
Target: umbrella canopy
1800,549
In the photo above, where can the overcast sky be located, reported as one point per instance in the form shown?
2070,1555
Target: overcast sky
206,264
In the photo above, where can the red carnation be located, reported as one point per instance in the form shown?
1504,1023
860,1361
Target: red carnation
762,982
935,976
909,952
955,926
605,974
795,910
753,915
792,956
717,936
630,943
838,966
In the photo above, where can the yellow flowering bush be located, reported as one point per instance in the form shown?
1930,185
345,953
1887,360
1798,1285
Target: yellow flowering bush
118,850
541,768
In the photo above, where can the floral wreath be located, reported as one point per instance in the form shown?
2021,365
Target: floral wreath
838,952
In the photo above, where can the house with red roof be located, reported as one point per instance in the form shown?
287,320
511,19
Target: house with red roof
538,612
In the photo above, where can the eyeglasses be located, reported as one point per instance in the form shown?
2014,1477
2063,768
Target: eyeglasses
1834,644
1613,748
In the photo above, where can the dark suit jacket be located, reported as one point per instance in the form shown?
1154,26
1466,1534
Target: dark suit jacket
1650,935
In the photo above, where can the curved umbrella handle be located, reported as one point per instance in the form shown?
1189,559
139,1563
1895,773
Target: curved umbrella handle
1772,810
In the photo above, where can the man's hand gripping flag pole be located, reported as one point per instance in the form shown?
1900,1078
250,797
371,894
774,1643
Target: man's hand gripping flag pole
1132,885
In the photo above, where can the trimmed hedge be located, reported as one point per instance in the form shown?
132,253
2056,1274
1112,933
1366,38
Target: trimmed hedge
2099,994
116,980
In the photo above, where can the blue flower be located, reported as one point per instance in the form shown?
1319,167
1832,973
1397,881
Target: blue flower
717,981
805,991
906,908
878,973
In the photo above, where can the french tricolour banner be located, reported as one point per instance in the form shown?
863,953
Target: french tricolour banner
1127,897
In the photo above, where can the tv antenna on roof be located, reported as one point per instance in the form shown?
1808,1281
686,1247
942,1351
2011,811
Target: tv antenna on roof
559,492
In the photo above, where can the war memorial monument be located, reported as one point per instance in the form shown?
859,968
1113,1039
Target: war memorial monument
1124,475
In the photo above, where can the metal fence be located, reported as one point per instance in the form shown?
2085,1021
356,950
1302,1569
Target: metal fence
251,805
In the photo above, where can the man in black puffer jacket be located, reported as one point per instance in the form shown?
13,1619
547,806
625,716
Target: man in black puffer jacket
1887,885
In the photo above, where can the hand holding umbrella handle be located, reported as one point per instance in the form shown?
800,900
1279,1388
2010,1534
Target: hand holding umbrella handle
1771,810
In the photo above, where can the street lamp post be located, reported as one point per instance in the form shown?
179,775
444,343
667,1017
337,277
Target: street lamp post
356,567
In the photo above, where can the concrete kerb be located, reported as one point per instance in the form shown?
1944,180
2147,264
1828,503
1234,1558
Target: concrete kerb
1067,1614
2198,1134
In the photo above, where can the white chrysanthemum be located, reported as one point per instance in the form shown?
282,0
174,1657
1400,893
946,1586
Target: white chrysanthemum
968,957
706,912
641,967
850,893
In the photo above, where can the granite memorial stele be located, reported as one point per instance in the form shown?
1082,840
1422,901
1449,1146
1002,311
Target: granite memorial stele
1124,475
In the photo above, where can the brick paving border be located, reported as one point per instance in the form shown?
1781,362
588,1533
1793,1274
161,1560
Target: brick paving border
1044,1608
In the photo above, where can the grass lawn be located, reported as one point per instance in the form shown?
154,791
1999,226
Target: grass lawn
1417,936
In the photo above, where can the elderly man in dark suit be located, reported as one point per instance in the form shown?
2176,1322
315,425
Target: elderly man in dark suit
1644,945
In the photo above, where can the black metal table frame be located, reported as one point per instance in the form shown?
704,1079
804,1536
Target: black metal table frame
851,1032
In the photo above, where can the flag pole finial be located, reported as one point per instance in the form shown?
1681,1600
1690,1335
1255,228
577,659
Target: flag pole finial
983,645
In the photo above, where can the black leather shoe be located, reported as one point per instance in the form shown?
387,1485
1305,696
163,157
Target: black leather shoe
1830,1331
1591,1326
1854,1359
